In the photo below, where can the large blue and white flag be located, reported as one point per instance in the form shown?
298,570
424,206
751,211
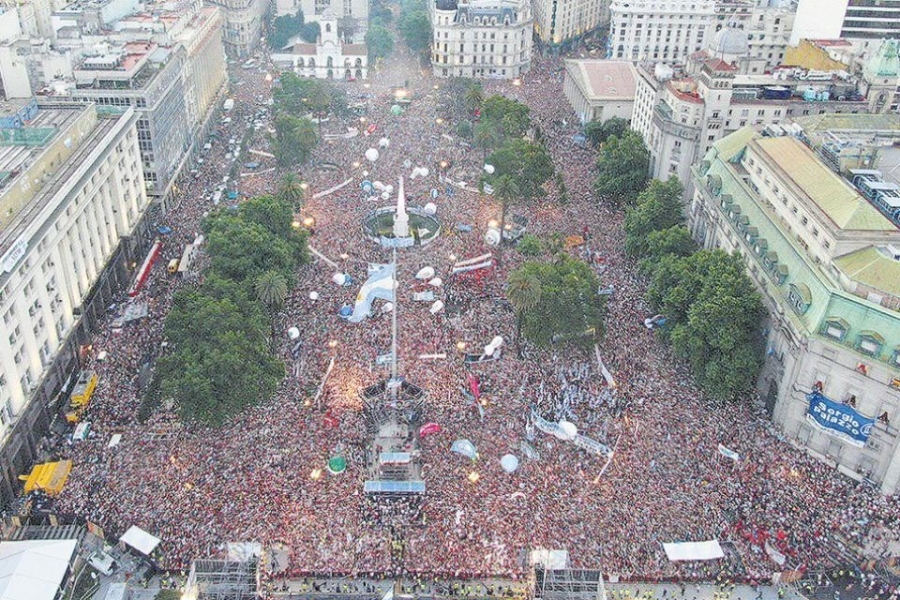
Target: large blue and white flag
838,419
380,284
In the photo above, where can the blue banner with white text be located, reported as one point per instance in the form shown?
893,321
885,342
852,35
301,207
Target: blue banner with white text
838,419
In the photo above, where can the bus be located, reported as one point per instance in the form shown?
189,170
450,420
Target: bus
81,395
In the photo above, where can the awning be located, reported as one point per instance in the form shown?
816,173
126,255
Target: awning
710,550
394,487
762,244
843,324
727,199
34,569
394,458
140,540
782,270
872,334
802,290
772,257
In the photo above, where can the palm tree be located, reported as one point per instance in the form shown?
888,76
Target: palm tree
272,289
291,190
474,97
524,292
506,191
305,139
487,137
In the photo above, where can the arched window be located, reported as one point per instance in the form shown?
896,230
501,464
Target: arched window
327,27
330,63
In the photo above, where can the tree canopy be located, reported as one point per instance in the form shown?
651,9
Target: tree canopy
509,117
557,301
379,41
597,133
287,26
415,25
298,96
217,360
713,317
527,164
622,167
658,207
294,140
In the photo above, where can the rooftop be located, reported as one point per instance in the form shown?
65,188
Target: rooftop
849,122
604,79
872,267
834,196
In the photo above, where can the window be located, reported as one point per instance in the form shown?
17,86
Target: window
836,328
870,343
799,297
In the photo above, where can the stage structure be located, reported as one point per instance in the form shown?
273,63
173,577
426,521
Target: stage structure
392,410
223,580
555,579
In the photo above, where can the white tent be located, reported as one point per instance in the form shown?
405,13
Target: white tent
140,540
710,550
34,569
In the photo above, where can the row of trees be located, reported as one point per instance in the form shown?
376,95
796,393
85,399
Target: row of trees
712,310
296,99
414,25
221,335
379,40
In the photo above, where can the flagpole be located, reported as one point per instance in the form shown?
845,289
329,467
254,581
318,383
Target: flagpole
394,325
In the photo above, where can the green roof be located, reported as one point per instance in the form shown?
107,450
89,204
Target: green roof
840,202
848,122
731,145
872,268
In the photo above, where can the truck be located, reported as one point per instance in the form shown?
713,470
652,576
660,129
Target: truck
81,395
229,104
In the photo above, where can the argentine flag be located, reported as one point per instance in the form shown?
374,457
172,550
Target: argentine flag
380,284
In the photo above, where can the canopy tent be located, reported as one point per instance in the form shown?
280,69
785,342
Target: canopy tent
140,540
34,569
709,550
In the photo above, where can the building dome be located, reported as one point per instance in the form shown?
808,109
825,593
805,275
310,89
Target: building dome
445,4
730,41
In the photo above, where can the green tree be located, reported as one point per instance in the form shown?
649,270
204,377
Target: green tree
622,167
474,96
217,361
283,29
415,28
713,318
487,137
529,245
523,291
569,308
597,133
379,42
527,164
674,241
508,116
291,191
240,250
272,290
294,140
658,207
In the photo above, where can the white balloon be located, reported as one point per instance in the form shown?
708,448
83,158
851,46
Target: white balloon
389,189
314,295
492,236
365,173
436,282
569,429
425,273
339,278
497,341
430,208
385,195
437,307
293,333
372,154
489,169
509,463
388,307
384,142
424,171
378,186
488,350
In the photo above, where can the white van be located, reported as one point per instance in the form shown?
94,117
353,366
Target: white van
103,562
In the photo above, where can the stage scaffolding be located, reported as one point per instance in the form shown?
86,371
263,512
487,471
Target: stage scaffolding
223,580
555,579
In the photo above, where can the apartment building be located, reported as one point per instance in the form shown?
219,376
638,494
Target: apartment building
481,38
863,22
681,114
559,23
72,218
243,25
827,264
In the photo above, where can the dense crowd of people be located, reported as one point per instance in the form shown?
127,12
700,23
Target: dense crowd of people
251,480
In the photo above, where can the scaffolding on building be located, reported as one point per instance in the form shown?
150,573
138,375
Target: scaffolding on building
555,579
223,580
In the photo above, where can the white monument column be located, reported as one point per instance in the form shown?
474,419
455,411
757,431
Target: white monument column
401,219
